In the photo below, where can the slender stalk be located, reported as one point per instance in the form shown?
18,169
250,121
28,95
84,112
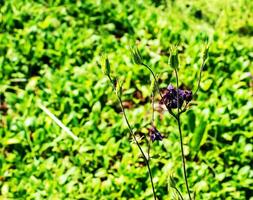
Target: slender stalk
200,75
156,82
177,117
136,141
148,143
152,119
181,139
157,87
183,158
58,122
153,109
181,197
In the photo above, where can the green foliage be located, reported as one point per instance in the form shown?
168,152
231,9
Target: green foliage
198,133
48,55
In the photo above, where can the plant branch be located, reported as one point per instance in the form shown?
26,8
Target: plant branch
153,108
205,56
157,87
132,133
177,117
156,82
180,195
181,139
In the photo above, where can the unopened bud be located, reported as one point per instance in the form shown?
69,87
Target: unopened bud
118,86
107,66
136,56
174,62
205,52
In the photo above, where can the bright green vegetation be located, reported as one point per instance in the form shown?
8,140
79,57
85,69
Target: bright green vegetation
48,54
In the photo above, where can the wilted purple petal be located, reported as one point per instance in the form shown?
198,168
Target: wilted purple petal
181,94
170,97
188,95
155,134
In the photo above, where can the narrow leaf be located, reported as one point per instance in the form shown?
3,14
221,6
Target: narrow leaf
198,135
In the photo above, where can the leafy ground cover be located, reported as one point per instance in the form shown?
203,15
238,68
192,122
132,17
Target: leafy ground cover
48,55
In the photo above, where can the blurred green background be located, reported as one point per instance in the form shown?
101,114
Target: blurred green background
48,55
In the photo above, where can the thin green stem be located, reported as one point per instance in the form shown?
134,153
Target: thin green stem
148,143
153,109
152,119
177,117
200,75
156,82
183,158
181,197
135,139
157,87
181,139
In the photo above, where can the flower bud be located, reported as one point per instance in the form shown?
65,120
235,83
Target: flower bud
205,52
118,86
188,95
174,62
172,101
136,56
107,66
155,134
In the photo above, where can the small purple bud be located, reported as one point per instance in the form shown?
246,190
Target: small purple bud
170,97
188,95
171,92
172,104
181,94
155,134
170,87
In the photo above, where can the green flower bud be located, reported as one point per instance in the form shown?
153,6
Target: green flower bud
174,62
118,86
172,181
205,52
136,56
107,66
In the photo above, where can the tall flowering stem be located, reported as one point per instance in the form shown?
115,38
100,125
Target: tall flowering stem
204,59
181,139
116,88
175,98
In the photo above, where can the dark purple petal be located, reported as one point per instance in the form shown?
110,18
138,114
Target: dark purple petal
170,97
170,92
188,95
155,134
181,94
173,104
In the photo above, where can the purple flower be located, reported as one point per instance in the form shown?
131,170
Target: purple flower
169,94
170,97
181,93
170,87
186,95
154,134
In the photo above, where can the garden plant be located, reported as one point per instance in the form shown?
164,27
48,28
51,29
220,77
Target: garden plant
61,130
173,99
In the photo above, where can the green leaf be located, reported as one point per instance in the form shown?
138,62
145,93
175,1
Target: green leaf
207,84
191,120
198,135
